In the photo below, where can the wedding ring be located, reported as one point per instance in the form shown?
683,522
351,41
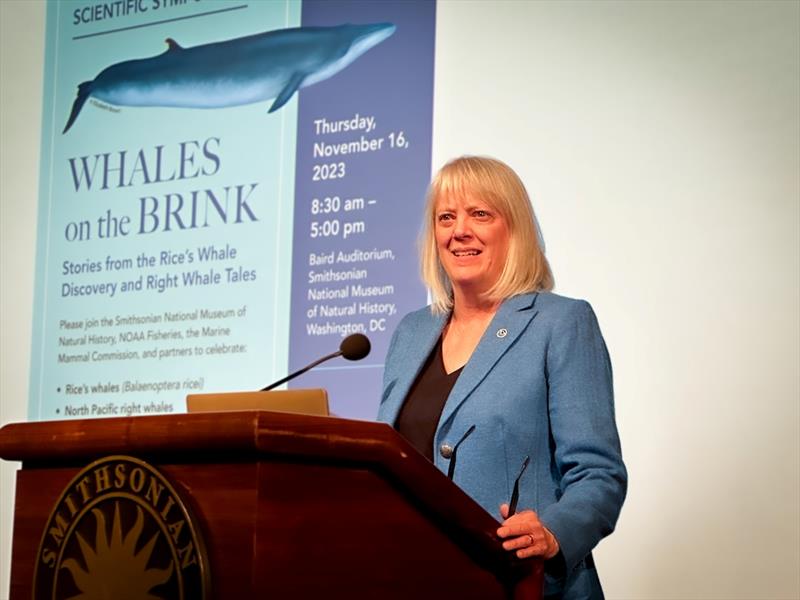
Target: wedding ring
530,537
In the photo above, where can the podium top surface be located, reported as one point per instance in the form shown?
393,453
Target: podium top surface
246,432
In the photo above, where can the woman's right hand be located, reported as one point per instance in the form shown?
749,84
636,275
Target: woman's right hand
524,533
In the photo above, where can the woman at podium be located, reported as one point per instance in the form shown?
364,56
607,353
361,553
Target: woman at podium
500,373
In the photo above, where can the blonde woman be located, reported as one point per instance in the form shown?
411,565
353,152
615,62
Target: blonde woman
527,368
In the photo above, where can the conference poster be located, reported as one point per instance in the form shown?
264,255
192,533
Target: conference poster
227,190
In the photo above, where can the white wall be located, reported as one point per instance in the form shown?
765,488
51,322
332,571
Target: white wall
659,142
661,145
21,68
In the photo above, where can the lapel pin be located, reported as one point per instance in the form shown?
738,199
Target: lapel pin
501,333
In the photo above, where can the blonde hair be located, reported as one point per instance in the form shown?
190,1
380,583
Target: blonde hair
526,268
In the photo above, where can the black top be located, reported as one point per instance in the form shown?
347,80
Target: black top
423,406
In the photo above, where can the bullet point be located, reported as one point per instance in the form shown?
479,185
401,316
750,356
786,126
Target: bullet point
58,390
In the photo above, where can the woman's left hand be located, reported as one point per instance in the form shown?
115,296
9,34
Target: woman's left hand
526,534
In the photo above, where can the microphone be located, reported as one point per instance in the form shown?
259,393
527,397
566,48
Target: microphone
512,505
353,347
451,470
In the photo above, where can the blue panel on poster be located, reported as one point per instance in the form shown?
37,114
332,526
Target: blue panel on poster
363,163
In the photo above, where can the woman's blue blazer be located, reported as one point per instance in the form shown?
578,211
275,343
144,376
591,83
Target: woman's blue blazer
538,384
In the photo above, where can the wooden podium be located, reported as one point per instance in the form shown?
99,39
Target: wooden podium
289,506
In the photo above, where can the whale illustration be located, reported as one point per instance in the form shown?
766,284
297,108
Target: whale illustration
244,70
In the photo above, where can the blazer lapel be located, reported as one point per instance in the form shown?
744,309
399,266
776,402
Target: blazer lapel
509,322
425,334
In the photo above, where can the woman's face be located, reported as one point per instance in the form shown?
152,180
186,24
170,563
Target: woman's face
473,240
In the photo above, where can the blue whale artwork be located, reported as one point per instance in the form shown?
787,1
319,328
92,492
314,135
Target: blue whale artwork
244,70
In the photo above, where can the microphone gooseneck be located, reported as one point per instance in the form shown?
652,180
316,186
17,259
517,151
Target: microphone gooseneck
353,347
